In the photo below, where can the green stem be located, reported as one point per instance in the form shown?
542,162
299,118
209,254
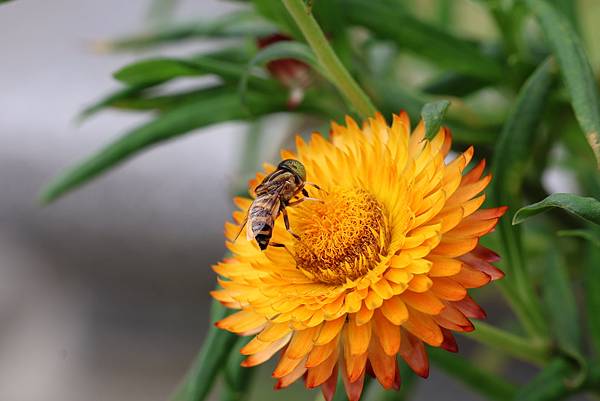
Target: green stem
336,71
535,352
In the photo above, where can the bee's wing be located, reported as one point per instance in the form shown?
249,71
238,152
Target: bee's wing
249,232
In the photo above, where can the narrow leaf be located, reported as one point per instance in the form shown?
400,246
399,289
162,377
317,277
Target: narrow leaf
426,40
163,69
575,69
171,124
489,384
209,362
433,114
582,207
511,156
122,94
548,385
562,313
591,282
588,235
237,379
275,12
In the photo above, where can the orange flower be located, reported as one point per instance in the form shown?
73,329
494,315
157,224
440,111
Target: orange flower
382,266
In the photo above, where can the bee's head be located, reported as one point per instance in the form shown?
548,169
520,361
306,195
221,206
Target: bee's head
294,167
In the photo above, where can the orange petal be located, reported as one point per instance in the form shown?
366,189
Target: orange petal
354,388
328,388
329,330
364,315
388,334
319,374
241,322
425,302
455,247
469,308
373,300
358,336
423,327
320,353
482,265
354,365
394,309
448,289
292,376
413,352
449,343
471,278
474,174
420,283
265,354
443,266
384,365
274,332
287,365
302,342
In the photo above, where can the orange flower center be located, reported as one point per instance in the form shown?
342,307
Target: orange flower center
341,237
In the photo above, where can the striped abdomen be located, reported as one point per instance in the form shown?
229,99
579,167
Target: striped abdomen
261,219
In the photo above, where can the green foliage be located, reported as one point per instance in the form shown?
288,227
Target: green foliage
487,383
433,116
584,207
575,68
209,363
523,99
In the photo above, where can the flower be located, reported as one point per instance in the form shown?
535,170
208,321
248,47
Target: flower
294,74
383,263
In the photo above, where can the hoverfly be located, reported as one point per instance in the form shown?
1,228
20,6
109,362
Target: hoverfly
273,195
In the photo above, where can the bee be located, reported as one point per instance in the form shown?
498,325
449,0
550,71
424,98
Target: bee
273,195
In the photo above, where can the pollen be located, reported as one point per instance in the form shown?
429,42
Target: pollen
341,237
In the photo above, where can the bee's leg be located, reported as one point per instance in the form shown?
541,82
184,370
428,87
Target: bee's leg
286,220
294,203
241,228
315,185
278,245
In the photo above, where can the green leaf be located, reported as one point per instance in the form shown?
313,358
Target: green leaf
210,360
237,379
582,207
562,313
168,125
433,115
147,72
591,280
512,154
5,1
428,41
548,385
120,95
454,84
242,24
575,69
489,384
275,12
588,235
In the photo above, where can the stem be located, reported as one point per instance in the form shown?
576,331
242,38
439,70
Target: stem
535,352
336,71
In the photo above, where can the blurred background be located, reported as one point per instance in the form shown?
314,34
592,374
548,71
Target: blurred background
104,294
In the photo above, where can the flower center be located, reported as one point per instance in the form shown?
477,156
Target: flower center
341,237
